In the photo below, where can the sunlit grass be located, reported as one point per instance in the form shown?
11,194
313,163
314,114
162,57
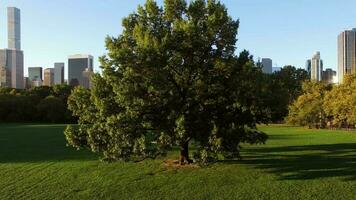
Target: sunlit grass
296,163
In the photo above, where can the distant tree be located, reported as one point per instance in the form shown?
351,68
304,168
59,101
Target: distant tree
308,110
171,78
52,109
62,91
16,108
5,90
39,104
292,80
40,92
285,86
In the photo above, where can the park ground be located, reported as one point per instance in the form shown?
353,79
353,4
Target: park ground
296,163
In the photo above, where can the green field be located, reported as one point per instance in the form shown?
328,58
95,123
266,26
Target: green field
296,163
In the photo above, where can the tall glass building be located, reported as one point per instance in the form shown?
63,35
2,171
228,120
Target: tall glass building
58,73
316,67
266,65
12,58
35,73
48,79
77,64
14,28
346,53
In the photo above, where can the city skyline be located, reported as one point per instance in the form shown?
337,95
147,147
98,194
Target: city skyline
262,35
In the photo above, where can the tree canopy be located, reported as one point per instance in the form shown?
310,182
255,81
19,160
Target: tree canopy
39,104
308,109
340,103
171,77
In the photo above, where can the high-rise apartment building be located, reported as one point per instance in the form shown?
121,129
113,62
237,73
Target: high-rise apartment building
27,83
14,28
48,77
308,67
266,65
329,76
77,64
87,75
58,73
316,67
5,77
12,58
346,53
35,73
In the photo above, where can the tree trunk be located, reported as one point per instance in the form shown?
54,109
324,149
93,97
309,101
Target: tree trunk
184,154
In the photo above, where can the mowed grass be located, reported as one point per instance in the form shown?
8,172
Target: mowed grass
296,163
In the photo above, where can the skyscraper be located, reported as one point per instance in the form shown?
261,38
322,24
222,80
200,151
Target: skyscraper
14,28
48,77
329,76
316,67
346,53
87,75
5,77
77,64
26,83
12,58
35,73
308,67
58,73
267,65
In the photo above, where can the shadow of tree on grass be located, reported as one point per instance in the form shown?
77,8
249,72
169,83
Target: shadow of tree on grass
305,162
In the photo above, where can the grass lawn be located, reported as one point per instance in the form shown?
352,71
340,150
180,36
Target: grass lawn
296,163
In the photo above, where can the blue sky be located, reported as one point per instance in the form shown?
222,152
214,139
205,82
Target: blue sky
288,31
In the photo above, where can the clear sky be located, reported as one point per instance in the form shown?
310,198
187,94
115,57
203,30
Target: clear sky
288,31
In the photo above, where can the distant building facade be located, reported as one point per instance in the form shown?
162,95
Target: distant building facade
308,67
276,69
27,83
12,58
48,77
13,61
14,28
316,67
266,65
346,53
87,75
329,76
5,77
77,64
58,73
35,73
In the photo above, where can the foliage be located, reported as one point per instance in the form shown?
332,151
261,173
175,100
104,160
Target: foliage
39,104
340,103
308,109
283,88
170,78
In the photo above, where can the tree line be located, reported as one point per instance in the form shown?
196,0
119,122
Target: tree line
323,105
39,104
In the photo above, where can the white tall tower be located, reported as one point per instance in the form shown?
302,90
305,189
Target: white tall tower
316,67
14,28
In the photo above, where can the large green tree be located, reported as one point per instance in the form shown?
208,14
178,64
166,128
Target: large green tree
170,78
